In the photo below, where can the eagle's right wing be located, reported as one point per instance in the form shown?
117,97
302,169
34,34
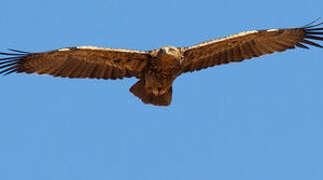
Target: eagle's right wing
78,62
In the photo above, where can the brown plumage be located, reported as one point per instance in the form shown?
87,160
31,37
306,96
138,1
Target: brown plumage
157,69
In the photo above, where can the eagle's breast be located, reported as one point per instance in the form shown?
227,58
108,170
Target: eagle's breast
164,67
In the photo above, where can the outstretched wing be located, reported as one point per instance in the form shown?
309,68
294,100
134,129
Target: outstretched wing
247,45
77,62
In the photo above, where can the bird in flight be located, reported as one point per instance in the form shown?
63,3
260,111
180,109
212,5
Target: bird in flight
157,69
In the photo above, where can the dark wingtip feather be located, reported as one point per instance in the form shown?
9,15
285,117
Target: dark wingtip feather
311,25
314,37
312,22
11,64
309,32
301,46
19,51
314,29
10,54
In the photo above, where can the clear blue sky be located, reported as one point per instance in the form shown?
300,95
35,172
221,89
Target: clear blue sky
257,120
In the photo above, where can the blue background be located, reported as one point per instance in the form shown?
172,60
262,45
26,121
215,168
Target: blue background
259,119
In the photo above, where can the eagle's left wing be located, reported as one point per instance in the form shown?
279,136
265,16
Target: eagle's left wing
78,62
247,45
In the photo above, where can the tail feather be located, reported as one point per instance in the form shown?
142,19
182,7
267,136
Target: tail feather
139,90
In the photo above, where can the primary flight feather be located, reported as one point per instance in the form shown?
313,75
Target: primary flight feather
157,69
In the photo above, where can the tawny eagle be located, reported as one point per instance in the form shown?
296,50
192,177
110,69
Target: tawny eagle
157,69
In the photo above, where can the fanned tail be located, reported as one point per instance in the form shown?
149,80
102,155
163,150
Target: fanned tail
139,90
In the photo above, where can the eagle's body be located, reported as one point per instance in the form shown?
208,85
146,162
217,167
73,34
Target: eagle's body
157,69
156,84
162,70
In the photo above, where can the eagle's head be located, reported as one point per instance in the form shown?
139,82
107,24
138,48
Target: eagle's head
168,51
170,55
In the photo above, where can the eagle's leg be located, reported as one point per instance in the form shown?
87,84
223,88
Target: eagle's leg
139,90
